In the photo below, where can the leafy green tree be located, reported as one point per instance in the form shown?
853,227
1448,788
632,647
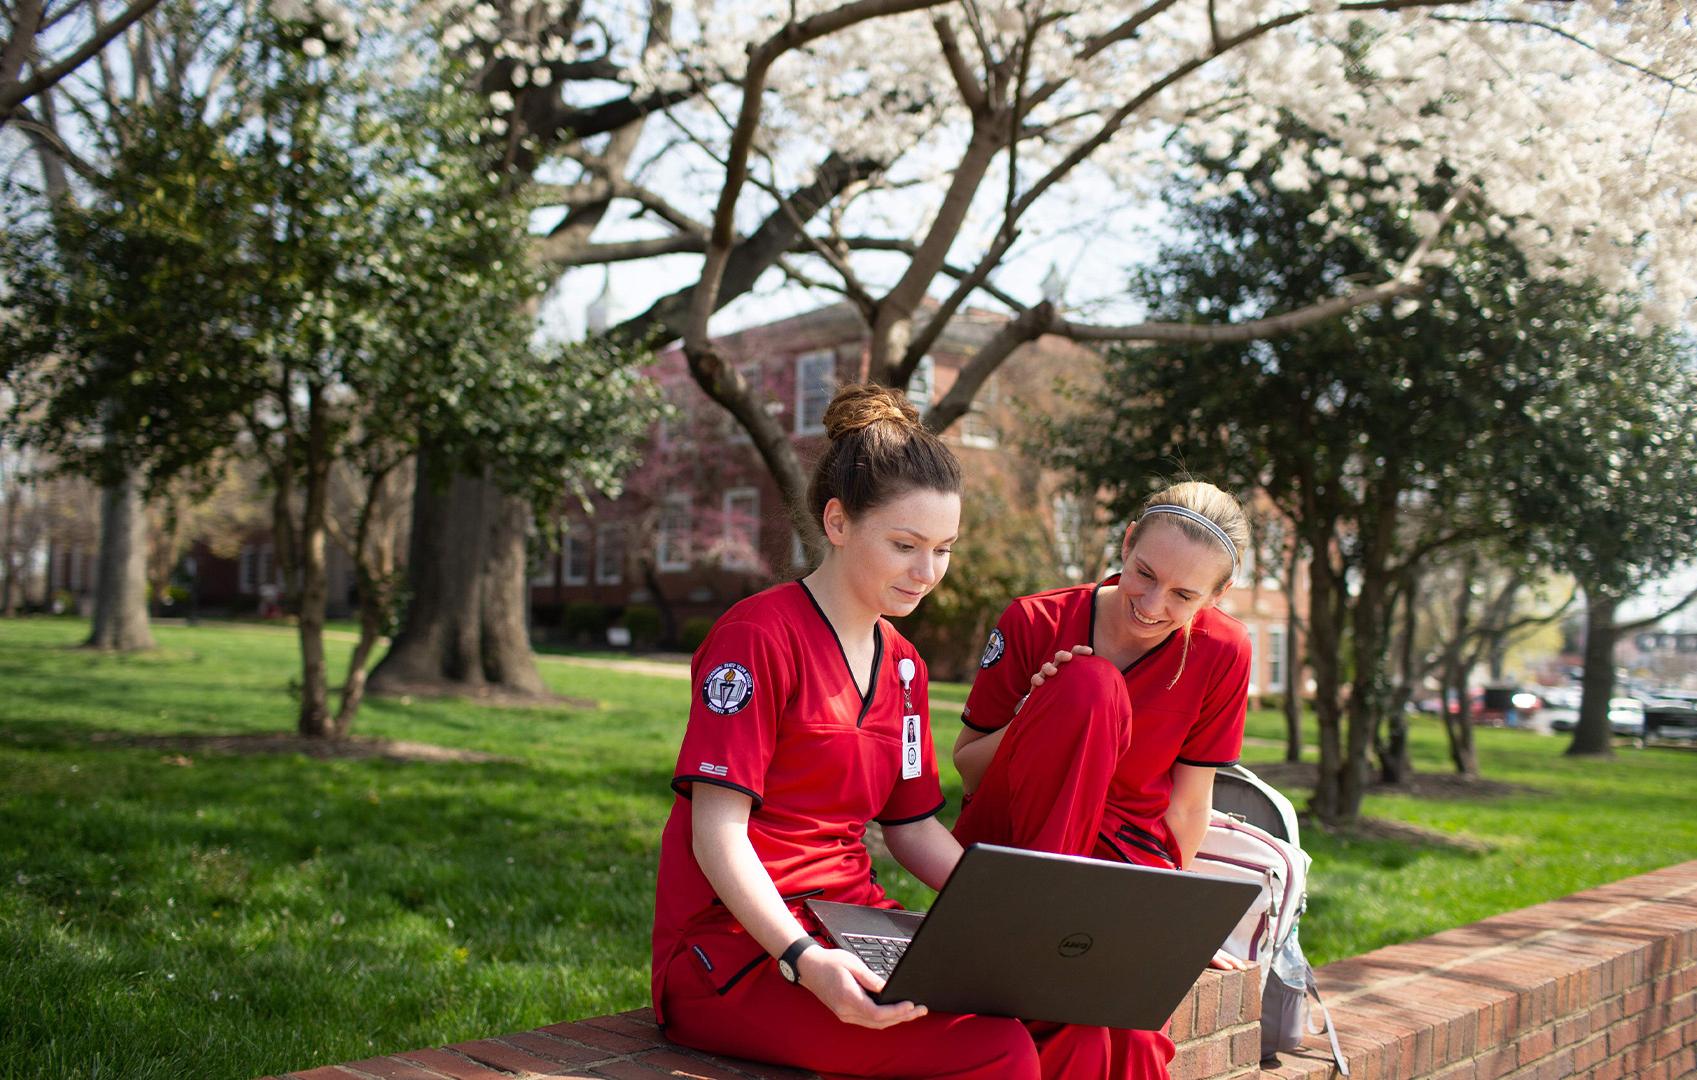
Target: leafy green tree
1611,485
359,299
1345,426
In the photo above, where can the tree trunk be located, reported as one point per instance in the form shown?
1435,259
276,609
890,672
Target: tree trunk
1592,736
14,559
371,610
464,629
1395,766
120,586
315,720
1325,654
669,633
1293,663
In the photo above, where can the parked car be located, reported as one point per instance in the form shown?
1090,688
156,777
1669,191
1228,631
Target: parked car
1626,716
1560,719
1670,718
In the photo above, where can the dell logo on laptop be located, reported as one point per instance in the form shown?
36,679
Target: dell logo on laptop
1076,945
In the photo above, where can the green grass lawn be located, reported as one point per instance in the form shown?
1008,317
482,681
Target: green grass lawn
170,914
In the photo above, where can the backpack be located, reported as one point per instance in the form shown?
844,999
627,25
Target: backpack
1253,836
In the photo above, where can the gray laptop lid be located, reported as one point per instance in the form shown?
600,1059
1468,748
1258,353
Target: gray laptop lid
1055,937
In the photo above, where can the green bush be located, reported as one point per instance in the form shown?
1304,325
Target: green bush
643,622
584,621
695,632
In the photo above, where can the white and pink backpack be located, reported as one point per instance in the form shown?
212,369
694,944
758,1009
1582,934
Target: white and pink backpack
1253,837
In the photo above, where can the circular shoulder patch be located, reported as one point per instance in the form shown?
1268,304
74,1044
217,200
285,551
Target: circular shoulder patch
727,689
993,649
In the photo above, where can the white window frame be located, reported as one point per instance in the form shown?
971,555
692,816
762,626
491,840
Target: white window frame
798,550
610,537
581,543
246,562
1277,678
671,552
922,388
740,555
806,362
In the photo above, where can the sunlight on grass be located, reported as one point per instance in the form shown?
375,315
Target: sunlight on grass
178,914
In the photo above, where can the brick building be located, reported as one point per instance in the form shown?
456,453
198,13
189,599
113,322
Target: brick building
701,524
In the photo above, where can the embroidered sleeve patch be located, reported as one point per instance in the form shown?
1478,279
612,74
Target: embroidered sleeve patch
727,689
993,649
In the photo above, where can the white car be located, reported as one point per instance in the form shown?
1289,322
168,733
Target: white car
1626,716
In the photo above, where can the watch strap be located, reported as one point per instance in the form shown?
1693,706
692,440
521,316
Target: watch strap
787,959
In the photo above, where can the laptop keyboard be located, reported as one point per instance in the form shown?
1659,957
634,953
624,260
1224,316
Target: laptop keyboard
879,953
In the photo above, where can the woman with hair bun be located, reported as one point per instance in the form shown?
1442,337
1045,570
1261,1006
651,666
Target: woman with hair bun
1111,751
807,704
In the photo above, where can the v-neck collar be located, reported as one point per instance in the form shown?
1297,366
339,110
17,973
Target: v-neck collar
1153,649
871,690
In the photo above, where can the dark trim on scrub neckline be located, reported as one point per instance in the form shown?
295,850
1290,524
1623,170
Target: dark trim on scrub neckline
1127,670
877,656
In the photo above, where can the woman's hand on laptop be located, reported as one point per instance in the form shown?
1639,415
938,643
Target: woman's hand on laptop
845,984
1225,961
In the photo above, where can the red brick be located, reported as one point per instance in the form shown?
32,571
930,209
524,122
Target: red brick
1494,1062
555,1049
1183,1027
1556,1066
1252,995
686,1066
1231,998
1573,1030
638,1024
453,1065
775,1072
1590,1052
1625,1034
1207,1004
507,1057
628,1070
1461,1070
1636,999
1535,1044
590,1035
394,1069
1609,1069
1246,1046
1204,1058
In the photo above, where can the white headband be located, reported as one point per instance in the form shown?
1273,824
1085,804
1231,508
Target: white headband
1191,515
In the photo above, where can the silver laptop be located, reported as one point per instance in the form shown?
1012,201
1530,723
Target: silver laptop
1048,937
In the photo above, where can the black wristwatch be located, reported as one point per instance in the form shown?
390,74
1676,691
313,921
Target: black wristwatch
787,962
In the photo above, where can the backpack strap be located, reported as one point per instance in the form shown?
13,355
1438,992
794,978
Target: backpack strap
1331,1032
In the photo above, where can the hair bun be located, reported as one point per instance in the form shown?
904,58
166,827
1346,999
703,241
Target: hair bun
864,404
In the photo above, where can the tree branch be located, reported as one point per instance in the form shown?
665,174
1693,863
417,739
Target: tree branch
15,95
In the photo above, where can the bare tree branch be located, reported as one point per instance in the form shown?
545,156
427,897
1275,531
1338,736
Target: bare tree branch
15,93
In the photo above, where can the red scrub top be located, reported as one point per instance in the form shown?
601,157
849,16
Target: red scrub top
777,715
1196,721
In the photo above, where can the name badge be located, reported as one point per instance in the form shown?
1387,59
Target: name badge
910,746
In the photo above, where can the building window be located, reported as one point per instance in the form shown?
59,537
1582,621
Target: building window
575,552
543,572
923,384
671,541
1069,533
815,381
609,554
742,528
975,427
1276,659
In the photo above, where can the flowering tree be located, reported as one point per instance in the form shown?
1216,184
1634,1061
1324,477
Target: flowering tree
890,151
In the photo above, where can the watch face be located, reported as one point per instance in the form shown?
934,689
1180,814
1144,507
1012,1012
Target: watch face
787,970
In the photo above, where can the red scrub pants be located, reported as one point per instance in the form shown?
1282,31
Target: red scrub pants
1046,790
765,1018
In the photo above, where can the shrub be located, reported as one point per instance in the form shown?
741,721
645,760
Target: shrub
586,622
643,622
695,632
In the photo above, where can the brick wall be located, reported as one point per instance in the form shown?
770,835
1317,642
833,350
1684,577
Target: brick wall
1601,984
